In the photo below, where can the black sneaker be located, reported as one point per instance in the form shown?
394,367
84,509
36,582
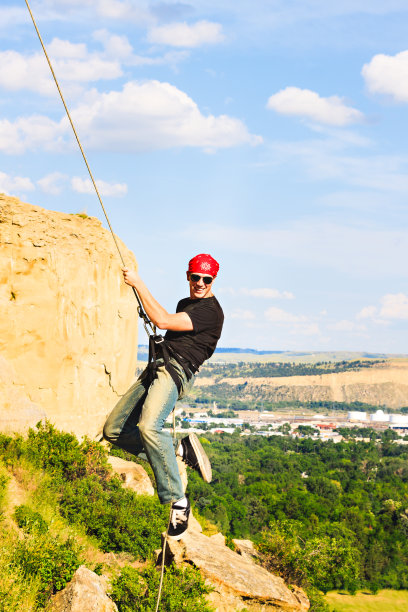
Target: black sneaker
194,455
178,520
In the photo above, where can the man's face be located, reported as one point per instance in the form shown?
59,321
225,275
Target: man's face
198,288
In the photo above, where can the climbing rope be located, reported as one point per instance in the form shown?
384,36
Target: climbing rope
148,325
146,321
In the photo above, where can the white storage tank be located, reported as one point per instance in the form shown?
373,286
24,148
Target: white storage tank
379,417
399,419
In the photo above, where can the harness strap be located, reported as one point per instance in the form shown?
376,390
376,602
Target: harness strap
157,345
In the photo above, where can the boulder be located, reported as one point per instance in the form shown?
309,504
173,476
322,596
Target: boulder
68,325
238,582
246,548
132,474
85,593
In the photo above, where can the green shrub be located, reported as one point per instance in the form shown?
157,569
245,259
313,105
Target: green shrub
29,520
49,560
61,454
3,489
183,589
120,519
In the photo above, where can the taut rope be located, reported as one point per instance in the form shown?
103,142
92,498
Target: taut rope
146,321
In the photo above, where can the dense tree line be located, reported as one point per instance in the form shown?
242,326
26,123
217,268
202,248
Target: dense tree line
269,369
352,497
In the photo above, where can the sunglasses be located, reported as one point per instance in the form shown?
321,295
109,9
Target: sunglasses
206,279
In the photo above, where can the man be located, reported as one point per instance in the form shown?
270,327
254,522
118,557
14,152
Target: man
136,423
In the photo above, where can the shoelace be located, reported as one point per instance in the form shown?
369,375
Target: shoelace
179,515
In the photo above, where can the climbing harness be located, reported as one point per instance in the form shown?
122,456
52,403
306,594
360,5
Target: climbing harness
156,341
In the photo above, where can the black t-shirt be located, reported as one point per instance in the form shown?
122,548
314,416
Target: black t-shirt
199,344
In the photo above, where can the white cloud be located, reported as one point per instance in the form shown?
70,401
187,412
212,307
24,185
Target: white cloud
243,315
143,116
394,306
29,133
185,35
269,293
307,103
105,189
368,312
12,185
388,74
278,315
52,183
305,329
346,326
72,63
126,10
155,115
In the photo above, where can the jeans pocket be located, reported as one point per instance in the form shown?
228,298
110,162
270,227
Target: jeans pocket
186,385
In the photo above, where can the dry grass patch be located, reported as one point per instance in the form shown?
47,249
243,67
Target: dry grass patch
385,601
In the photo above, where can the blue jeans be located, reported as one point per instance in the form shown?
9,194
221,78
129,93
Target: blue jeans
136,425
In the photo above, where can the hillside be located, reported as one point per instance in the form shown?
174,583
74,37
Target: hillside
383,384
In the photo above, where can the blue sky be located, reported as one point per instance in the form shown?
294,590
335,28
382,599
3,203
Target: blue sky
271,134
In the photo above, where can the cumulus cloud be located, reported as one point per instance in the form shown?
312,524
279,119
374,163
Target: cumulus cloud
155,115
105,189
309,104
388,74
143,116
52,183
72,63
278,315
128,10
393,306
346,326
29,133
12,185
185,35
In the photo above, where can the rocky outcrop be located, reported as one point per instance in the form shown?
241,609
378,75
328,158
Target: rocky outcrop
132,474
85,593
385,384
238,582
68,330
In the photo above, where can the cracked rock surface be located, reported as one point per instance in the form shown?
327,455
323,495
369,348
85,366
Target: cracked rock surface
238,582
68,329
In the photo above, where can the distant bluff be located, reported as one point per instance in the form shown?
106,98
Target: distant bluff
68,325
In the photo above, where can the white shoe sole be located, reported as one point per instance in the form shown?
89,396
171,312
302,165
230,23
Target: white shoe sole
203,461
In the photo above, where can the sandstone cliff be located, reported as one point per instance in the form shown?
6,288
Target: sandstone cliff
68,330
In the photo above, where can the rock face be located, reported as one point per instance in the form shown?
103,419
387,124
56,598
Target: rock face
68,330
85,593
238,582
133,475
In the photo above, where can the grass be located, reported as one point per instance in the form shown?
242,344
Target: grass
385,601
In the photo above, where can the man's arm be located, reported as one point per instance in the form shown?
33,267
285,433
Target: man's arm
179,321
